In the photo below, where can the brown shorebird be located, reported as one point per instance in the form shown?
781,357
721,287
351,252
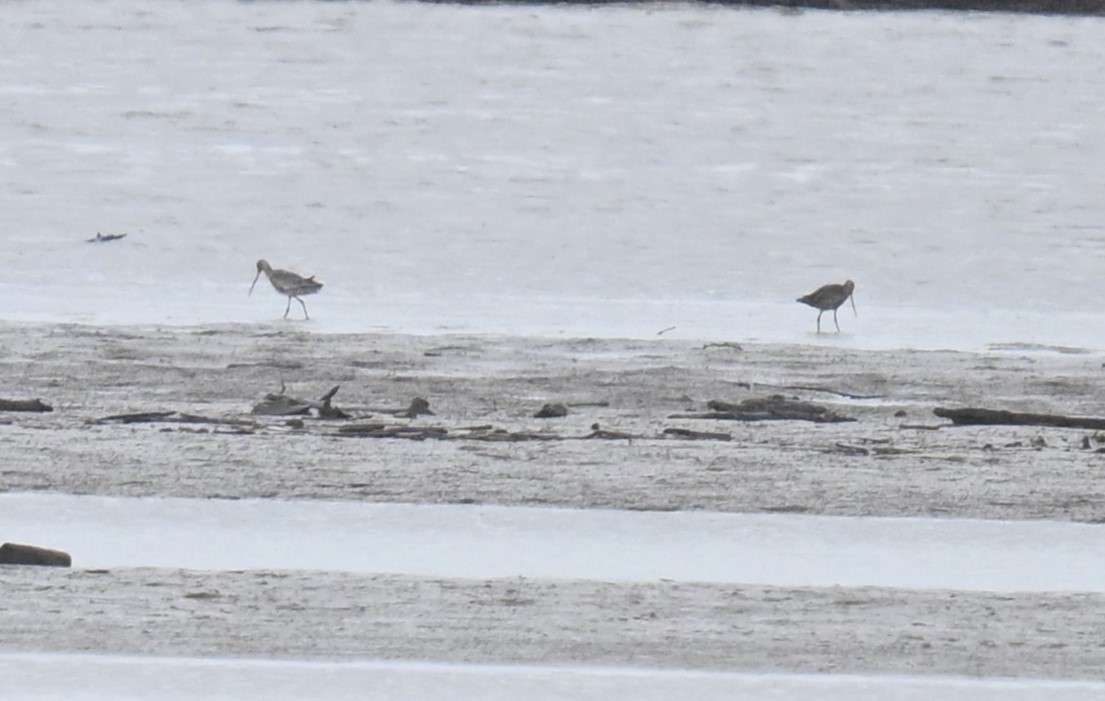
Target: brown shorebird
830,297
288,283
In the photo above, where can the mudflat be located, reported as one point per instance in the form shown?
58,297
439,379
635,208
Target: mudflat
634,437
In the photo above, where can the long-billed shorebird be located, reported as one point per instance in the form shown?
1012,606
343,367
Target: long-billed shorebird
288,283
830,297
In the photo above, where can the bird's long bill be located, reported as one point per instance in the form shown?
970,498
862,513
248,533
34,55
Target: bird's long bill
852,299
255,279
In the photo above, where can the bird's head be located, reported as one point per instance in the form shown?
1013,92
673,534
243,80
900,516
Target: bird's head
262,267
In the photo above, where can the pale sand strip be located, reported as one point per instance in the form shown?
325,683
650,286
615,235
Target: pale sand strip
295,614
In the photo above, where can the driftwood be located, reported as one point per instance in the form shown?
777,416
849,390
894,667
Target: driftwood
551,411
599,432
16,554
811,388
326,411
377,429
171,417
725,344
998,417
138,418
24,405
501,435
417,407
688,434
828,390
283,405
104,238
846,449
774,408
380,429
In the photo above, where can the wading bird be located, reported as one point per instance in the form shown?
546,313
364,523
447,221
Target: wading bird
287,283
830,297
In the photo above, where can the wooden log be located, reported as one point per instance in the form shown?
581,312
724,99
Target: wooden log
503,436
809,388
172,417
138,418
998,417
24,405
283,405
696,435
600,432
326,411
363,429
774,408
17,554
381,430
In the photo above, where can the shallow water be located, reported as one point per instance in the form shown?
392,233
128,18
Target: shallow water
93,677
491,541
609,171
613,171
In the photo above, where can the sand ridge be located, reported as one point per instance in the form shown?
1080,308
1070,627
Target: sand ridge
896,459
889,462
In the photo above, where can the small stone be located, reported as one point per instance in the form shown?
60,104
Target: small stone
418,407
552,411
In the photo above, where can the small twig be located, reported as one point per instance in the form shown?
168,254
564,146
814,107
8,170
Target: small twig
172,417
141,417
661,332
853,450
697,435
600,432
104,238
839,393
812,388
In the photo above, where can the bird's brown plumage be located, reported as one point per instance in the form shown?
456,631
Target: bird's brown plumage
829,297
287,283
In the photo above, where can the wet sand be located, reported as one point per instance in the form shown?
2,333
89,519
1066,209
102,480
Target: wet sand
896,459
333,615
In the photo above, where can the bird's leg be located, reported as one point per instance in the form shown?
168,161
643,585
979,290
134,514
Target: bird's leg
835,322
302,304
819,313
288,307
